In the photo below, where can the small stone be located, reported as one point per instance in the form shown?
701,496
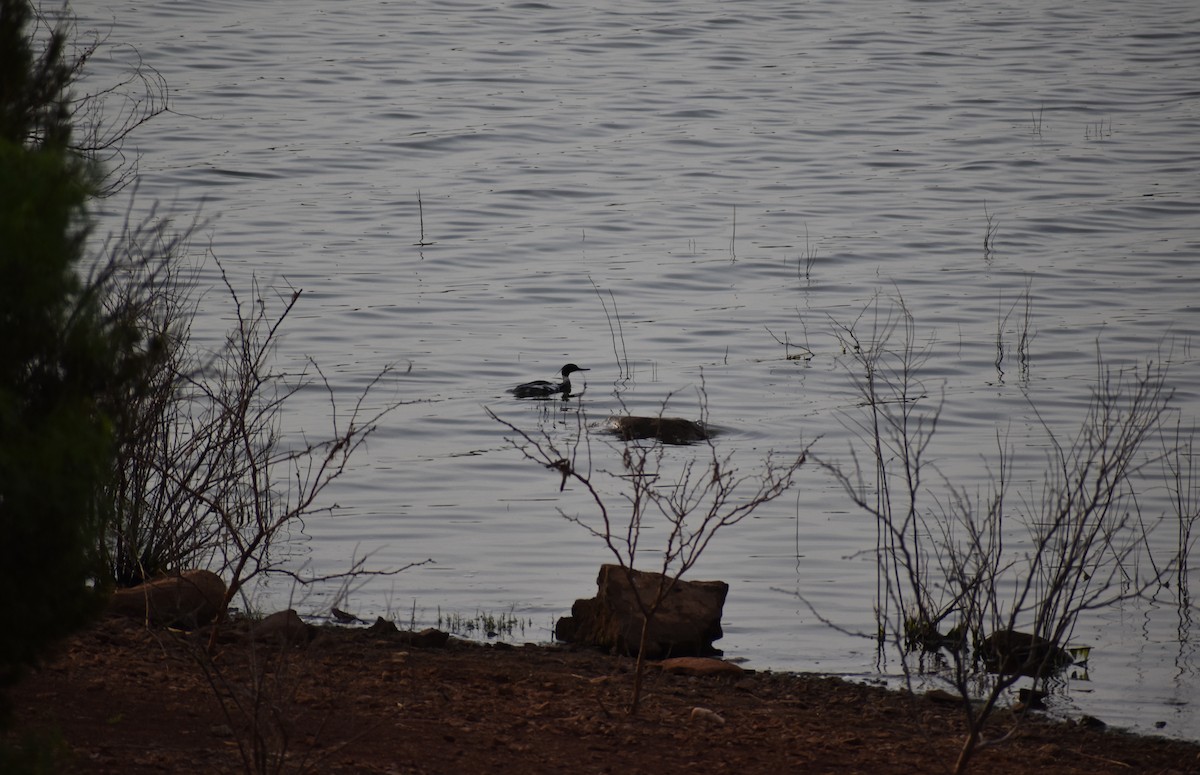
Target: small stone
706,716
1033,699
942,697
382,627
700,666
344,617
286,626
428,638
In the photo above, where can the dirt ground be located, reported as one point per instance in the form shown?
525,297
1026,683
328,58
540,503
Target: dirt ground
126,699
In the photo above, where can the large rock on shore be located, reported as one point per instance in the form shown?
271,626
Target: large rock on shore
686,623
191,599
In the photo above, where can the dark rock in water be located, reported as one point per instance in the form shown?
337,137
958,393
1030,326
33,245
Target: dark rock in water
191,599
686,623
1008,652
383,627
669,430
344,617
1034,699
283,626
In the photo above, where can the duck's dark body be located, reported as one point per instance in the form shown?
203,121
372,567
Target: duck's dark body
544,389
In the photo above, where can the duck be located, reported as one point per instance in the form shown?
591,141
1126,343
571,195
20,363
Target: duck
544,389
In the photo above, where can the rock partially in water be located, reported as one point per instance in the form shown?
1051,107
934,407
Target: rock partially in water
669,430
686,623
191,599
1009,652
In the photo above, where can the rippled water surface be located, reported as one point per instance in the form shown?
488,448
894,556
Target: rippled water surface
718,178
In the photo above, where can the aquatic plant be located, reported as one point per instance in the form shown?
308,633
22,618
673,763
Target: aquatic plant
807,260
1036,120
989,233
1024,334
484,623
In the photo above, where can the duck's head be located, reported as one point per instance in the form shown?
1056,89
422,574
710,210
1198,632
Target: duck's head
570,369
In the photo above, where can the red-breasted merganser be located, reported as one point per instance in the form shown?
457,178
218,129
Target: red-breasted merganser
543,389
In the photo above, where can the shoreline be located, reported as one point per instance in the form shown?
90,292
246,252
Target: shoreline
127,699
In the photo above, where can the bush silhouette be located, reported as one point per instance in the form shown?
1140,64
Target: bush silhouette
58,354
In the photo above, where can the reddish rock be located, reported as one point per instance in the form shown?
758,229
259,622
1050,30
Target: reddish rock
704,666
191,599
685,624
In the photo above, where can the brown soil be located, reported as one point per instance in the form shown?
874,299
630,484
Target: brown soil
130,700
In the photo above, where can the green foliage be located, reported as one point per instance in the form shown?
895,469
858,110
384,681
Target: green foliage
40,753
54,443
34,104
58,356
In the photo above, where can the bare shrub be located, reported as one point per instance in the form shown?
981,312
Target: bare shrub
153,524
104,115
992,588
694,497
266,695
203,476
258,700
1179,471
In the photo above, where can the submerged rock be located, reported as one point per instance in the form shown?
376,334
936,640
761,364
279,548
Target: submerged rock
685,624
669,430
1009,652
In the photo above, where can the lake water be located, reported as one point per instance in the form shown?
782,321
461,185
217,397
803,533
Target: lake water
717,178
